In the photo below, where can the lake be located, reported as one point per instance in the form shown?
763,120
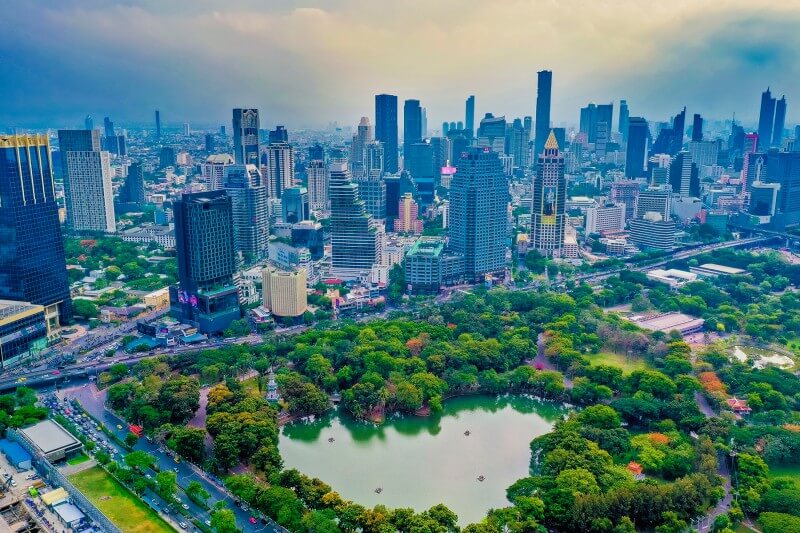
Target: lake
419,462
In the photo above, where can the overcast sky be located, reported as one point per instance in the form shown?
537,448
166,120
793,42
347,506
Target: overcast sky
305,64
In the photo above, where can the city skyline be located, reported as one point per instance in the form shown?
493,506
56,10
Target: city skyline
741,46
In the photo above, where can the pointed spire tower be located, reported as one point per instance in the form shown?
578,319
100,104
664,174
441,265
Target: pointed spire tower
549,195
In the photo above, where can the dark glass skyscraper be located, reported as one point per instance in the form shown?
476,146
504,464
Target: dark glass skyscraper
478,227
386,129
624,117
697,127
780,122
549,195
469,123
133,191
32,260
412,123
249,203
205,295
766,120
158,124
544,87
245,136
636,152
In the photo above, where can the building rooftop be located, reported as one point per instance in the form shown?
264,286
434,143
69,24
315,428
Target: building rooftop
722,269
427,247
49,436
667,322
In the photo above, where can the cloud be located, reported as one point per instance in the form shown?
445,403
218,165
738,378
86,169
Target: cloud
304,65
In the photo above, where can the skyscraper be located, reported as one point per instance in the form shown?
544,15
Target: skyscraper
544,87
250,211
386,129
133,191
87,181
294,205
206,294
32,260
213,170
780,122
108,127
355,241
412,123
478,225
245,136
209,143
407,220
624,117
317,186
469,122
158,124
88,123
492,133
358,148
278,135
279,166
680,173
636,152
419,163
592,116
549,195
697,127
766,120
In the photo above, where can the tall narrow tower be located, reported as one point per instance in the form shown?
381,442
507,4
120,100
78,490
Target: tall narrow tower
549,192
543,95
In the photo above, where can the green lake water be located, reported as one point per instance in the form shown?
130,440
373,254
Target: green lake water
419,462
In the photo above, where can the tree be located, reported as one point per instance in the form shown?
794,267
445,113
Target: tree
131,439
238,328
166,484
224,521
84,309
140,460
196,493
624,526
408,397
600,416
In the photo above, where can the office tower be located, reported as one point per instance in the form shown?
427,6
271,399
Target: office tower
670,140
88,123
751,143
386,129
624,118
245,136
372,190
652,232
247,191
549,195
783,168
167,157
469,122
626,192
186,130
373,162
424,123
492,133
393,185
780,122
206,294
108,127
122,146
279,167
32,263
655,199
294,205
209,143
309,234
592,117
133,191
317,186
88,194
544,87
607,217
358,147
445,127
704,153
316,152
680,173
766,120
213,170
763,199
412,123
158,124
697,127
478,228
419,161
517,144
407,220
285,292
636,151
440,148
278,135
355,241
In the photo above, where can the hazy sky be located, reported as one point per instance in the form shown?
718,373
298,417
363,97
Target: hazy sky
308,63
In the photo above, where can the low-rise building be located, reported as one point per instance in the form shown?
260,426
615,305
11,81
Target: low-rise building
23,331
712,270
672,277
51,440
429,267
285,292
162,235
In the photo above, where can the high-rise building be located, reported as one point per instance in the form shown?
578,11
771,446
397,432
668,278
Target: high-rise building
549,195
424,123
478,225
317,186
133,190
544,87
86,170
780,122
636,151
766,120
108,128
697,128
206,294
355,241
213,170
492,133
517,144
610,217
655,199
372,190
32,261
358,148
316,152
681,173
158,124
209,143
670,140
592,116
373,160
624,117
419,163
245,136
386,129
247,191
652,232
167,157
412,123
294,205
88,123
407,220
469,122
279,165
285,292
626,192
278,135
704,153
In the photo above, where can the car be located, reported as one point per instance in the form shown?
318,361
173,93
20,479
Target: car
119,426
183,525
252,520
207,523
148,476
245,507
185,506
20,380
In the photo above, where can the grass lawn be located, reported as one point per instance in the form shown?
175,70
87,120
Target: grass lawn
251,386
78,459
119,504
617,360
792,472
